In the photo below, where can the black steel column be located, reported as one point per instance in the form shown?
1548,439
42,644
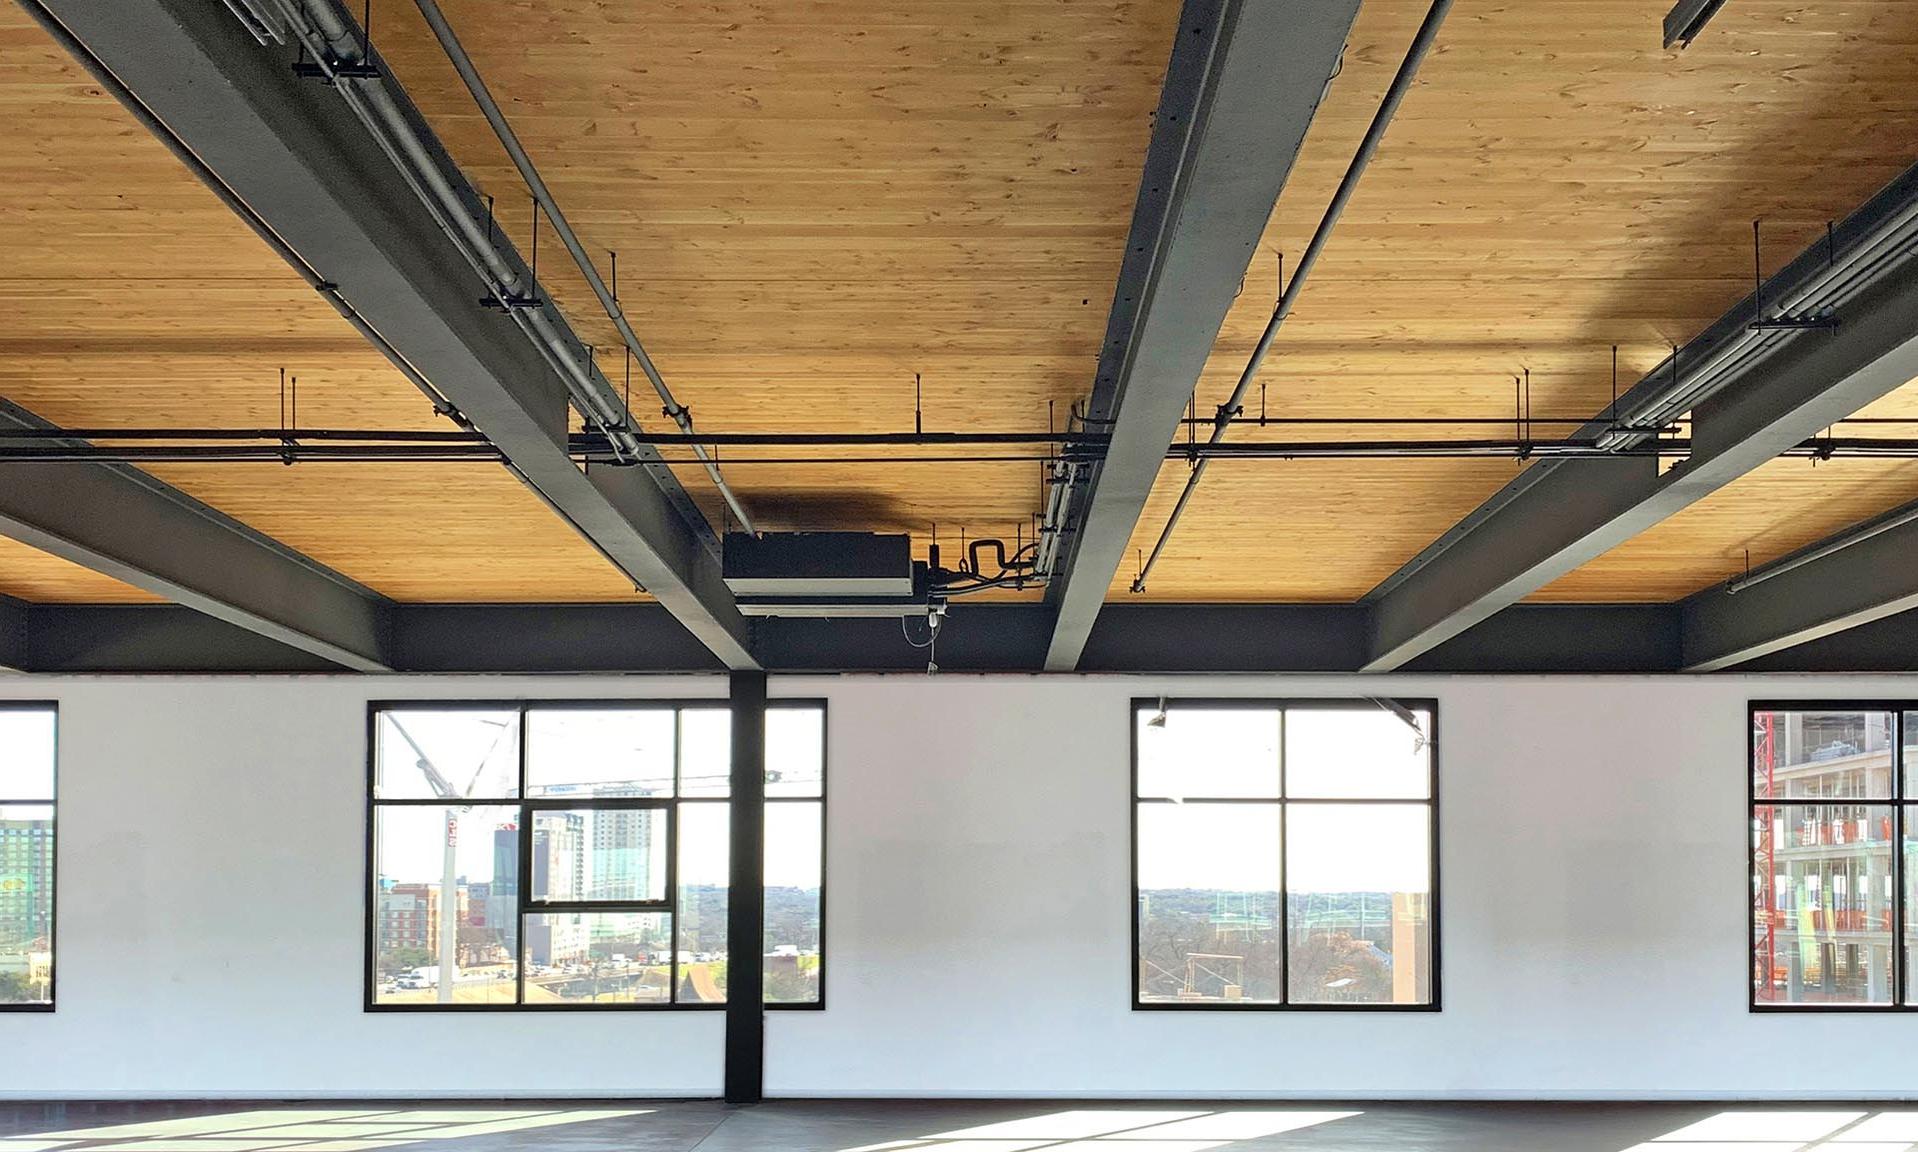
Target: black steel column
745,905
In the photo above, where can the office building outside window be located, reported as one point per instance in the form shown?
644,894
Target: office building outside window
27,770
1832,855
574,855
1285,854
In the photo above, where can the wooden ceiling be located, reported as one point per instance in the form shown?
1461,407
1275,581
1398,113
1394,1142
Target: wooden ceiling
133,297
814,202
1555,184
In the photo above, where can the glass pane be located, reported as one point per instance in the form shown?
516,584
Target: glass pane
704,867
1821,891
599,752
1358,752
793,865
1358,881
588,958
1909,846
26,904
1225,752
795,751
26,753
1209,904
1821,755
705,751
428,950
446,753
612,854
1910,758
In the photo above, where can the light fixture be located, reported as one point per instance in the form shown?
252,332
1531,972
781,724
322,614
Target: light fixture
1158,719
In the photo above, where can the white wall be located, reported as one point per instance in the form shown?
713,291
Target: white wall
1593,906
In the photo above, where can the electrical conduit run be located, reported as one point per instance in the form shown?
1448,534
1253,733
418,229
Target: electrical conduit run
482,96
1401,83
336,46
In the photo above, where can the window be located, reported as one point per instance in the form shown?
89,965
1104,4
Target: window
26,856
1832,789
1284,854
574,855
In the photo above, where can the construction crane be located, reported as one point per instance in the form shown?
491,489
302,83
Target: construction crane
459,802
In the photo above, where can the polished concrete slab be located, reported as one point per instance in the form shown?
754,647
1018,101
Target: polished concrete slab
953,1126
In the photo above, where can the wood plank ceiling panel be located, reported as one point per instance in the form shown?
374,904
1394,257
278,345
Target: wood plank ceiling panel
133,297
30,574
1555,183
813,202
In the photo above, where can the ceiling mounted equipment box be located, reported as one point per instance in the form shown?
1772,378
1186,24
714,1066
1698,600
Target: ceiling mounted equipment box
818,564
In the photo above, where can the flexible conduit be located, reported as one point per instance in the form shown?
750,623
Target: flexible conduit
1388,106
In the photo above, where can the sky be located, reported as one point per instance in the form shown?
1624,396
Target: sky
1338,753
26,754
578,751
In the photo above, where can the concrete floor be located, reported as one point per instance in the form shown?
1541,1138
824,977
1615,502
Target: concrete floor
953,1126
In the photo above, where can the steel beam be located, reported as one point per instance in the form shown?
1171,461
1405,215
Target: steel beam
1687,18
290,149
1558,515
977,638
1874,577
117,520
1243,83
13,634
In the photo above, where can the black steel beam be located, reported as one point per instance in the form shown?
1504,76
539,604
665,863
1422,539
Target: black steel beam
1687,18
1243,83
978,638
152,638
1872,577
118,520
546,638
290,149
13,634
745,1080
1559,514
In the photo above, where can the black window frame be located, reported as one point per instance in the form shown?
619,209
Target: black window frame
53,902
525,905
1141,704
1897,801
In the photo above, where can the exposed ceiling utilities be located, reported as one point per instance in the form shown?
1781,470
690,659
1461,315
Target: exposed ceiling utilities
338,51
1235,404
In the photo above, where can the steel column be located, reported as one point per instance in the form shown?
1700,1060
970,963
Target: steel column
1243,83
745,897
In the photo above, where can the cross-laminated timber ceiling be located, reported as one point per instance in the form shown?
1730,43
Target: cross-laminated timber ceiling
134,298
1555,183
813,202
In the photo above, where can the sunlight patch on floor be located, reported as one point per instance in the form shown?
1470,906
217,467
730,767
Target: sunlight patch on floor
304,1130
1114,1130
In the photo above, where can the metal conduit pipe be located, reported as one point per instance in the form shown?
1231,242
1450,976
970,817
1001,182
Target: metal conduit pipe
1839,543
1889,244
327,291
330,37
1388,106
482,96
